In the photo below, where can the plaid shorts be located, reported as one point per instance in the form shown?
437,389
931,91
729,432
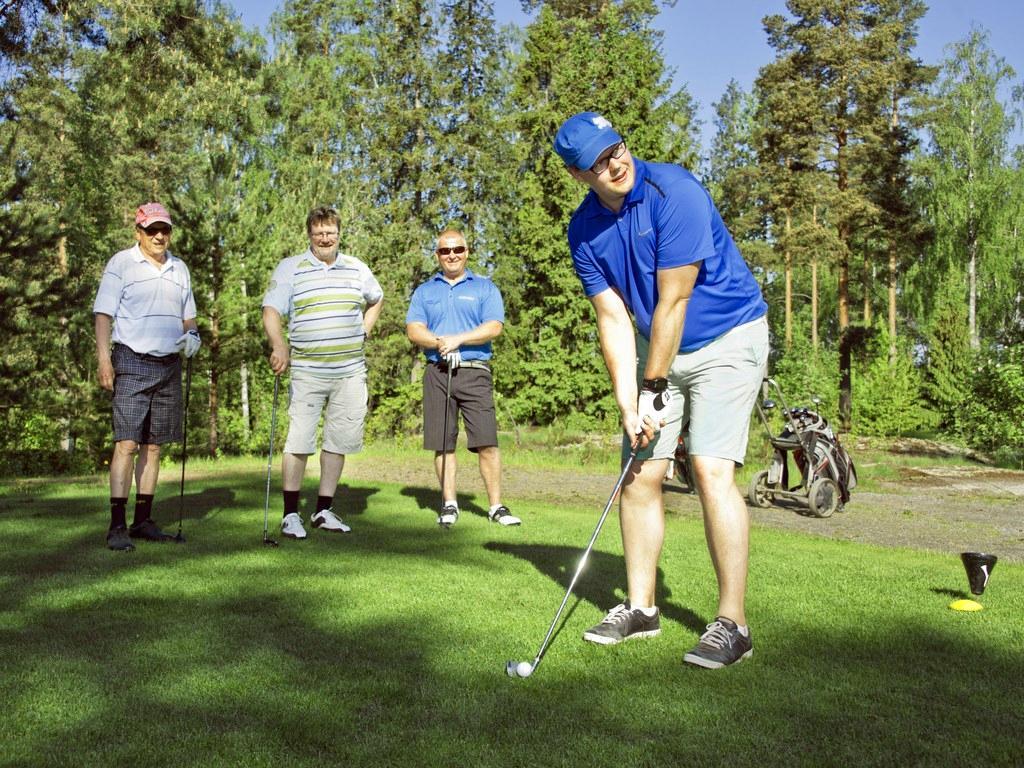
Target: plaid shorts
147,397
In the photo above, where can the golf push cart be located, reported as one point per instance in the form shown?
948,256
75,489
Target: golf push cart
827,474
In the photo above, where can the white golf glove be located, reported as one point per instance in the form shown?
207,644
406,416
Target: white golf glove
453,359
190,342
650,405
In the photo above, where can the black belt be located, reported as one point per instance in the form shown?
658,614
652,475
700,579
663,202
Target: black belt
480,364
163,359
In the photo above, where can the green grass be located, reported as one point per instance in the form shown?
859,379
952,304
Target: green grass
387,647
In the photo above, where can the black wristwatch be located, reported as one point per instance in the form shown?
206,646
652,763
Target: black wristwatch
657,386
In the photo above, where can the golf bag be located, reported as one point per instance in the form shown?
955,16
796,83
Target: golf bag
827,472
816,451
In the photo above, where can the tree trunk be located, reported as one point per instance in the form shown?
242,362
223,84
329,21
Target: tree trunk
789,282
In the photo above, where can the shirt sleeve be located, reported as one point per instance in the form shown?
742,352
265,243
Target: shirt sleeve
188,310
493,307
279,291
372,292
684,226
587,270
108,295
417,311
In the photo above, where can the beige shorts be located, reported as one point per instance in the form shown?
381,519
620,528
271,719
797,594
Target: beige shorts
712,392
345,400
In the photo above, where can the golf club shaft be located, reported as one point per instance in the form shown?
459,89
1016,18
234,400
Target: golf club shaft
270,452
184,441
586,555
444,435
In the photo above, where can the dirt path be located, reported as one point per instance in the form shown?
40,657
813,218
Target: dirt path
946,510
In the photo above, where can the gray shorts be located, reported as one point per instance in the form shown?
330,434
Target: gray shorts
712,391
147,397
472,394
344,418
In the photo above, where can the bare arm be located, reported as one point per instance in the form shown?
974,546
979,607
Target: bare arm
675,286
618,346
104,368
370,316
279,347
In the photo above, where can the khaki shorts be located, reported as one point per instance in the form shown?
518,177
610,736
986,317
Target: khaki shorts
345,400
712,391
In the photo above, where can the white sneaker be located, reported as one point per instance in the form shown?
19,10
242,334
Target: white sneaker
291,526
503,517
449,514
329,522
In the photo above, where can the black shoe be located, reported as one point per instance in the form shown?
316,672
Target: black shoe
722,644
624,623
117,539
147,530
502,516
449,516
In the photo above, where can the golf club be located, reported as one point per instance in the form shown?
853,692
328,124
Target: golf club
444,442
526,668
184,448
270,458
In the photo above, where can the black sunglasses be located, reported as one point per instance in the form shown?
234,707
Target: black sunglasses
156,229
458,249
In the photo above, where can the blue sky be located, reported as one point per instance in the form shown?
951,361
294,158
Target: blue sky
709,43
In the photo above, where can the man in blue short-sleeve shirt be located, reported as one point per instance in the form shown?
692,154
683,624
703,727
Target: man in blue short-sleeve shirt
684,334
453,317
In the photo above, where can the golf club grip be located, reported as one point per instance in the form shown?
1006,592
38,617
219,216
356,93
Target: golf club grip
586,554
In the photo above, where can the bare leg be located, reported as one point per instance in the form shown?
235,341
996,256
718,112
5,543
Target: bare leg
122,465
293,467
727,529
642,517
448,481
490,471
331,465
147,468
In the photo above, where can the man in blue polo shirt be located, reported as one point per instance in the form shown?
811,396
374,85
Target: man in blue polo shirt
453,317
651,250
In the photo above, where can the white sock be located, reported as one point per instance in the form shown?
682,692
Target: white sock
451,504
647,611
494,507
743,630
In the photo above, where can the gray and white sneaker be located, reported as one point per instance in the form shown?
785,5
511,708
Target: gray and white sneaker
291,526
722,644
502,516
327,520
624,623
449,516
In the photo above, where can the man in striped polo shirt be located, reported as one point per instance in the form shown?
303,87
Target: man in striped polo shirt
332,302
145,306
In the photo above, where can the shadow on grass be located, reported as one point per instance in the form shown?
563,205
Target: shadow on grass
430,499
353,499
601,576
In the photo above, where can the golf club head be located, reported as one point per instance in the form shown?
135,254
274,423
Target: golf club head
518,669
269,542
979,569
179,538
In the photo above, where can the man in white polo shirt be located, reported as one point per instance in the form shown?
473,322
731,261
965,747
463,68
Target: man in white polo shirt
145,306
332,302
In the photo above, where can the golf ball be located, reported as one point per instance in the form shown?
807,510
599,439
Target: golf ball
524,669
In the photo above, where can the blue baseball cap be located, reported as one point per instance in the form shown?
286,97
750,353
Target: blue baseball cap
583,137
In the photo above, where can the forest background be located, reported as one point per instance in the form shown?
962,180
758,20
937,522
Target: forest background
878,198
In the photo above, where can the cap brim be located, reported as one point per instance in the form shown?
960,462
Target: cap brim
594,149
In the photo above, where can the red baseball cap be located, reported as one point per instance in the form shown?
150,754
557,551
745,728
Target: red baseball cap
151,213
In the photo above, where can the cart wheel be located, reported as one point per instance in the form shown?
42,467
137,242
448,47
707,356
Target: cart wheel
684,473
823,497
758,493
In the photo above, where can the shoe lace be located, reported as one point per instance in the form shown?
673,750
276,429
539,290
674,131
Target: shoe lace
617,615
717,635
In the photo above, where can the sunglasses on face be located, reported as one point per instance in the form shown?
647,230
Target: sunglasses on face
156,229
457,250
